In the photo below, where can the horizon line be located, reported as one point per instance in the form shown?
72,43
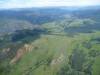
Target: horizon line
50,7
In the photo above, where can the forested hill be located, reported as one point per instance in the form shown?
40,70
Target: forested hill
18,19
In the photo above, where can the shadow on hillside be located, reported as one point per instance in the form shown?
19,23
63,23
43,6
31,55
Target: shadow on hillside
83,29
27,35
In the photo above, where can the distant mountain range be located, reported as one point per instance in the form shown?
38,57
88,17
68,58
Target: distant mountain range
16,19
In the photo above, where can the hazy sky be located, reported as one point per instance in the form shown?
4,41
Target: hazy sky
42,3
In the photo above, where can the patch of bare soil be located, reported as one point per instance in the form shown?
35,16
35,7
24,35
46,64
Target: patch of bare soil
26,48
57,60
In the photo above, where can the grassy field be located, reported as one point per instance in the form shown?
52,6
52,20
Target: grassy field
51,52
42,44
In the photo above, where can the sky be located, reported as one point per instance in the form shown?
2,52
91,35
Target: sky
4,4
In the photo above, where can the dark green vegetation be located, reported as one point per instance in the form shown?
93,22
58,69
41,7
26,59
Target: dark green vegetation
50,41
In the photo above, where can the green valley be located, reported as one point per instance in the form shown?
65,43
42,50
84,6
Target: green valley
62,43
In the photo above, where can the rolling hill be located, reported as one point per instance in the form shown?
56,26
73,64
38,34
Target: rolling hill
50,41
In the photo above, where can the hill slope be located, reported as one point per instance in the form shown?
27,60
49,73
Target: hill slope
55,41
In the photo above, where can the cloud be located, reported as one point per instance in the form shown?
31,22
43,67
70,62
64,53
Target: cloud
41,3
